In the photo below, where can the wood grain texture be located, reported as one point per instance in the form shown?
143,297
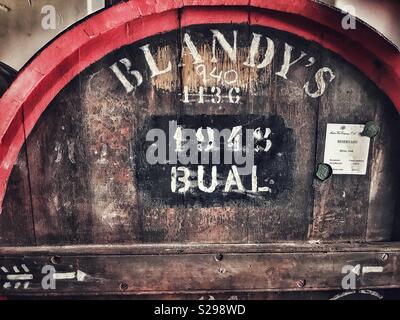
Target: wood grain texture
384,203
16,220
341,203
224,223
59,172
201,273
288,217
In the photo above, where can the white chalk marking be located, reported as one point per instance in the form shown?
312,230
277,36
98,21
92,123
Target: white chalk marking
14,277
230,51
370,269
155,71
214,181
7,285
287,61
311,62
121,77
233,179
356,269
192,49
321,83
64,276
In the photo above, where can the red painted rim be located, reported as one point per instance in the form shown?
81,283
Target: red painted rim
40,81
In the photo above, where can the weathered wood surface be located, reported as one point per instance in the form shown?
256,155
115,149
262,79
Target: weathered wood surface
78,181
7,75
288,217
16,223
385,173
349,206
377,294
80,273
174,249
341,203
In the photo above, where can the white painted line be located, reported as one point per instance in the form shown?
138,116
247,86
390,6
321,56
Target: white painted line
26,285
25,268
16,270
7,285
64,276
372,269
4,269
14,277
17,285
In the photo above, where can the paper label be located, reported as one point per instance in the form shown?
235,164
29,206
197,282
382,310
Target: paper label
346,150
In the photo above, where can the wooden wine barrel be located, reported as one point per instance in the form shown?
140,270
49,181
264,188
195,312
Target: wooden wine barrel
202,148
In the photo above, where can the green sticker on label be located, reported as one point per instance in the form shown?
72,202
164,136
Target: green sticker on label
371,129
324,171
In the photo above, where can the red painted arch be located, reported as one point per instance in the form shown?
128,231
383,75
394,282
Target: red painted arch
40,81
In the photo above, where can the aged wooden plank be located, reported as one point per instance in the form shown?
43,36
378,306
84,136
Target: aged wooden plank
280,91
159,96
205,87
377,294
151,274
59,173
84,187
341,203
16,219
203,248
385,172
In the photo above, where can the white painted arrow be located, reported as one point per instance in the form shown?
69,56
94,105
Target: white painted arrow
18,277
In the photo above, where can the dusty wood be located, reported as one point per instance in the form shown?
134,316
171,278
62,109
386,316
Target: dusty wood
57,153
179,248
16,220
150,274
288,217
224,223
341,203
385,171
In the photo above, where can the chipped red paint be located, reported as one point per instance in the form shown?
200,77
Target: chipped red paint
40,81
